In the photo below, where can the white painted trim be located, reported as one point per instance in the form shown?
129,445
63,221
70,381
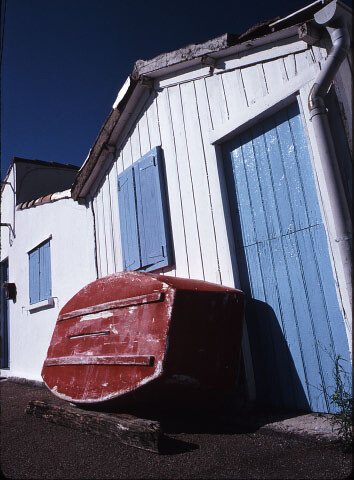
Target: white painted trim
47,303
264,106
261,54
186,75
256,55
296,13
122,92
130,119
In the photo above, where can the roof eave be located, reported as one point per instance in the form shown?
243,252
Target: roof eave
124,105
134,87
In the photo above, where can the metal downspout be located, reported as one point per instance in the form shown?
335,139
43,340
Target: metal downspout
331,16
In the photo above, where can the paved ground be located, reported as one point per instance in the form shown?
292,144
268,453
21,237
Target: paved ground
270,446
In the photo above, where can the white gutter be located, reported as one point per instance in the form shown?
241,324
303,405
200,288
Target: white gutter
332,16
307,7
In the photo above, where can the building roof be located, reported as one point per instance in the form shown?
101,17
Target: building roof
36,162
44,163
146,70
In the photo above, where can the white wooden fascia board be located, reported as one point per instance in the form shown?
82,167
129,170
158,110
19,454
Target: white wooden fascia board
291,15
264,106
185,75
244,59
86,159
137,91
263,54
122,92
129,117
128,111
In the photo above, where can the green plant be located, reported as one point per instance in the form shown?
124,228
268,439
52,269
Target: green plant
342,400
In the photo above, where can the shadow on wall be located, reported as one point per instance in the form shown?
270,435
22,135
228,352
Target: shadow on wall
277,381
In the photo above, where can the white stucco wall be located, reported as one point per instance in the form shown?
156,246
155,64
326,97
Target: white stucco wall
72,266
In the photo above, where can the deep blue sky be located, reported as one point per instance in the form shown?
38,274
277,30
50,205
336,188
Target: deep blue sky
65,60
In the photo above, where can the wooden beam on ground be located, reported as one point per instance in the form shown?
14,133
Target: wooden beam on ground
127,429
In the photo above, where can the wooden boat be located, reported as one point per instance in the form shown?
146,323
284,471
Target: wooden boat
138,336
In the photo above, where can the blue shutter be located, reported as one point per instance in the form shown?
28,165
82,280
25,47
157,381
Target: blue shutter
45,283
152,211
34,276
128,220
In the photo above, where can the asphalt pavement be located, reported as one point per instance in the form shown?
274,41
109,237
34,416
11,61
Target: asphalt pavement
254,445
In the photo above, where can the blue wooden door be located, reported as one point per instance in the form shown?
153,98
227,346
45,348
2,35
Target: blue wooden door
4,341
295,324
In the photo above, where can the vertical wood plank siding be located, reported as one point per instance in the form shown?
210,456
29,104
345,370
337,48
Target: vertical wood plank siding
179,119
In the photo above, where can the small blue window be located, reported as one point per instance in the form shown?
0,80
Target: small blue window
143,212
40,282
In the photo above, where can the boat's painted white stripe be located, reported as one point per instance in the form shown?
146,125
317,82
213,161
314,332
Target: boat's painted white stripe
125,302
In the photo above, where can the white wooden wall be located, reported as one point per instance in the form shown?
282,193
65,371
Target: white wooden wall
180,117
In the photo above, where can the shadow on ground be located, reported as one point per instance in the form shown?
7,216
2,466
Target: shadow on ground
35,448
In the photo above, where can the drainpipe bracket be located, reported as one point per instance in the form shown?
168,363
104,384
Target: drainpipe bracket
109,148
344,238
146,82
208,60
316,103
309,33
317,111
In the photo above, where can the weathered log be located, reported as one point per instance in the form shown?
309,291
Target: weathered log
127,429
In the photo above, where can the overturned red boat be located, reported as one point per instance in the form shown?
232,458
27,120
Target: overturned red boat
138,336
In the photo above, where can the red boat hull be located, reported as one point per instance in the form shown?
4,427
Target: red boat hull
148,336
